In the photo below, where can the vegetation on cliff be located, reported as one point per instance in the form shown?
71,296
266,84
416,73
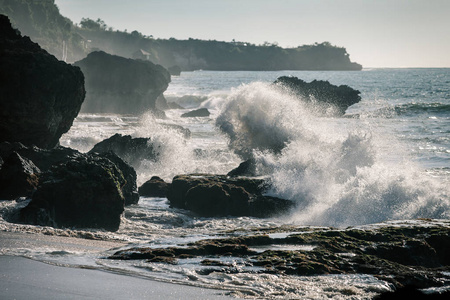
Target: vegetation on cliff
44,24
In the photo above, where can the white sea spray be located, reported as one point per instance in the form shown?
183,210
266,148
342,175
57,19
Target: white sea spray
339,176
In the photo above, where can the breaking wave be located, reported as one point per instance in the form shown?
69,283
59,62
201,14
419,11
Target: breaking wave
340,174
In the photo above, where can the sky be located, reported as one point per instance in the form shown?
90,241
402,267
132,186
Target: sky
376,33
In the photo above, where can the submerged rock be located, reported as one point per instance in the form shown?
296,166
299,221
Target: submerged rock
201,112
116,84
217,195
40,95
155,187
84,192
323,93
405,256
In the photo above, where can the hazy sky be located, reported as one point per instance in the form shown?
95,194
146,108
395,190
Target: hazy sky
376,33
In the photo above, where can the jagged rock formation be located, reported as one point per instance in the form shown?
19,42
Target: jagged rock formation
116,84
331,98
40,95
46,159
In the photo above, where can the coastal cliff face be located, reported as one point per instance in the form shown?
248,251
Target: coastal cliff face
40,95
116,84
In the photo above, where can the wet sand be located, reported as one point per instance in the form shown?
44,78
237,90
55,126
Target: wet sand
24,278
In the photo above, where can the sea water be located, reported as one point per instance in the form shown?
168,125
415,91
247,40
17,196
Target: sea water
387,159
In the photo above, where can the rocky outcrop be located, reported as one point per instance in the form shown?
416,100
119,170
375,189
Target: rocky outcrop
129,189
155,187
45,159
218,195
412,255
18,177
132,150
84,192
116,84
40,95
328,98
201,112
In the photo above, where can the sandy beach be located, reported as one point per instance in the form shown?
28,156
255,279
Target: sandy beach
24,278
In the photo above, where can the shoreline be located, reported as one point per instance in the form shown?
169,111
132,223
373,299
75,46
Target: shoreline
27,278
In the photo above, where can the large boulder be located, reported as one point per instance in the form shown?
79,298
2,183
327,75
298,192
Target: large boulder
18,177
40,95
84,192
218,195
45,159
332,99
155,187
116,84
132,150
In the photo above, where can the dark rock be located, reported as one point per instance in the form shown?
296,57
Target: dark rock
18,177
132,150
333,251
40,96
45,159
116,84
129,189
84,192
411,292
201,112
322,92
246,168
155,187
218,195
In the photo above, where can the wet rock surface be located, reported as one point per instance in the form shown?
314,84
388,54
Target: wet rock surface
405,255
40,95
201,112
84,192
219,195
155,187
67,188
18,177
322,92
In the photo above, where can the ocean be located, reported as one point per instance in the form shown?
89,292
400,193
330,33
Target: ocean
386,160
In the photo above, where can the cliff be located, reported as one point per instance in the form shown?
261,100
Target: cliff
40,95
